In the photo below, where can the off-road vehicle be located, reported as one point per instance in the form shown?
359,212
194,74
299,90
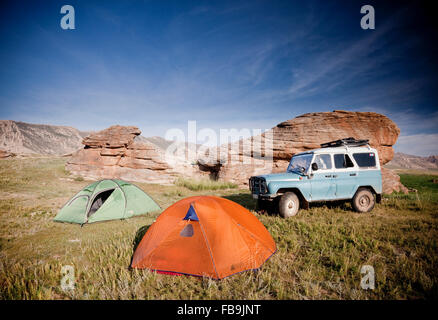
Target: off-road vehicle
345,169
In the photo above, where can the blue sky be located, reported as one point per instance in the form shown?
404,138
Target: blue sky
225,64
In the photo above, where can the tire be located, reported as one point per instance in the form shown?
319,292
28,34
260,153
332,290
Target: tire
363,201
289,205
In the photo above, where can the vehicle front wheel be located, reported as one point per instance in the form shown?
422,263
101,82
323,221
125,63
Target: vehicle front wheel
289,205
363,200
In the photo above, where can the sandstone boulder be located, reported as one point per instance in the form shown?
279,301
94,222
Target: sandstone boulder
309,130
391,182
116,152
113,138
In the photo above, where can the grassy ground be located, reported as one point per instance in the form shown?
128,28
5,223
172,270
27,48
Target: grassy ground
320,251
204,184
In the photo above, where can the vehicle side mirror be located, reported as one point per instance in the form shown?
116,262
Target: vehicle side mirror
314,166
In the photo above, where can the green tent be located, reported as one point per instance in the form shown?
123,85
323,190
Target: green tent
106,200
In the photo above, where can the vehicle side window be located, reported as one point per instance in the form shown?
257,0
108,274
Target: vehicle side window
365,160
324,161
348,162
343,161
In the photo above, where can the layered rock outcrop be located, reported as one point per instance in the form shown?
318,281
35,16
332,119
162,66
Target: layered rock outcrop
309,130
120,152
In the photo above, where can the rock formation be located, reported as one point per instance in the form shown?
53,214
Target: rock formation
119,152
309,130
391,182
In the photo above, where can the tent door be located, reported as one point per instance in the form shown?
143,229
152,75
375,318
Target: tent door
99,200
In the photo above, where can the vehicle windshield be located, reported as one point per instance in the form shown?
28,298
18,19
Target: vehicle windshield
300,161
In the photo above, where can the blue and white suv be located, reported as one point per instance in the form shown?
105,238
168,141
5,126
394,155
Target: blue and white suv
346,169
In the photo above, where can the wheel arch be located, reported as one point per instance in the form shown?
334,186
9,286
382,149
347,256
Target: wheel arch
303,201
371,188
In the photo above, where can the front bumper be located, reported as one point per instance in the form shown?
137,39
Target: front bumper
264,196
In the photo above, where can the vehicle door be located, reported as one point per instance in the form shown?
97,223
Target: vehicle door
322,183
345,176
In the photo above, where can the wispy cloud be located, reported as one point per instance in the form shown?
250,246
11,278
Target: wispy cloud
336,65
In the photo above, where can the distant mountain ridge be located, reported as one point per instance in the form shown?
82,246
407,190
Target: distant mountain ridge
27,138
408,161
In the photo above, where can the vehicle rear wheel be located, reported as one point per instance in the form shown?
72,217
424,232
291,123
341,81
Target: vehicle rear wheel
289,205
363,200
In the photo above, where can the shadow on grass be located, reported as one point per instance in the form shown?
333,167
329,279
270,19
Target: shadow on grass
244,199
341,204
271,207
138,236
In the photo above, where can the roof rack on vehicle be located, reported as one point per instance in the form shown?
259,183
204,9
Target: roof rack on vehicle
350,142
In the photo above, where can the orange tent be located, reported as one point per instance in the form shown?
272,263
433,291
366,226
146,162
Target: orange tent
204,236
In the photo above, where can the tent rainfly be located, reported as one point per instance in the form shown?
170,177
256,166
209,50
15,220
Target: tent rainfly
204,236
106,200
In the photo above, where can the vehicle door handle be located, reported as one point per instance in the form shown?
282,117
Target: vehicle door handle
335,176
352,174
328,176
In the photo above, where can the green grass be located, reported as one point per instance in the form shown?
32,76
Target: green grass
204,184
320,251
423,183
